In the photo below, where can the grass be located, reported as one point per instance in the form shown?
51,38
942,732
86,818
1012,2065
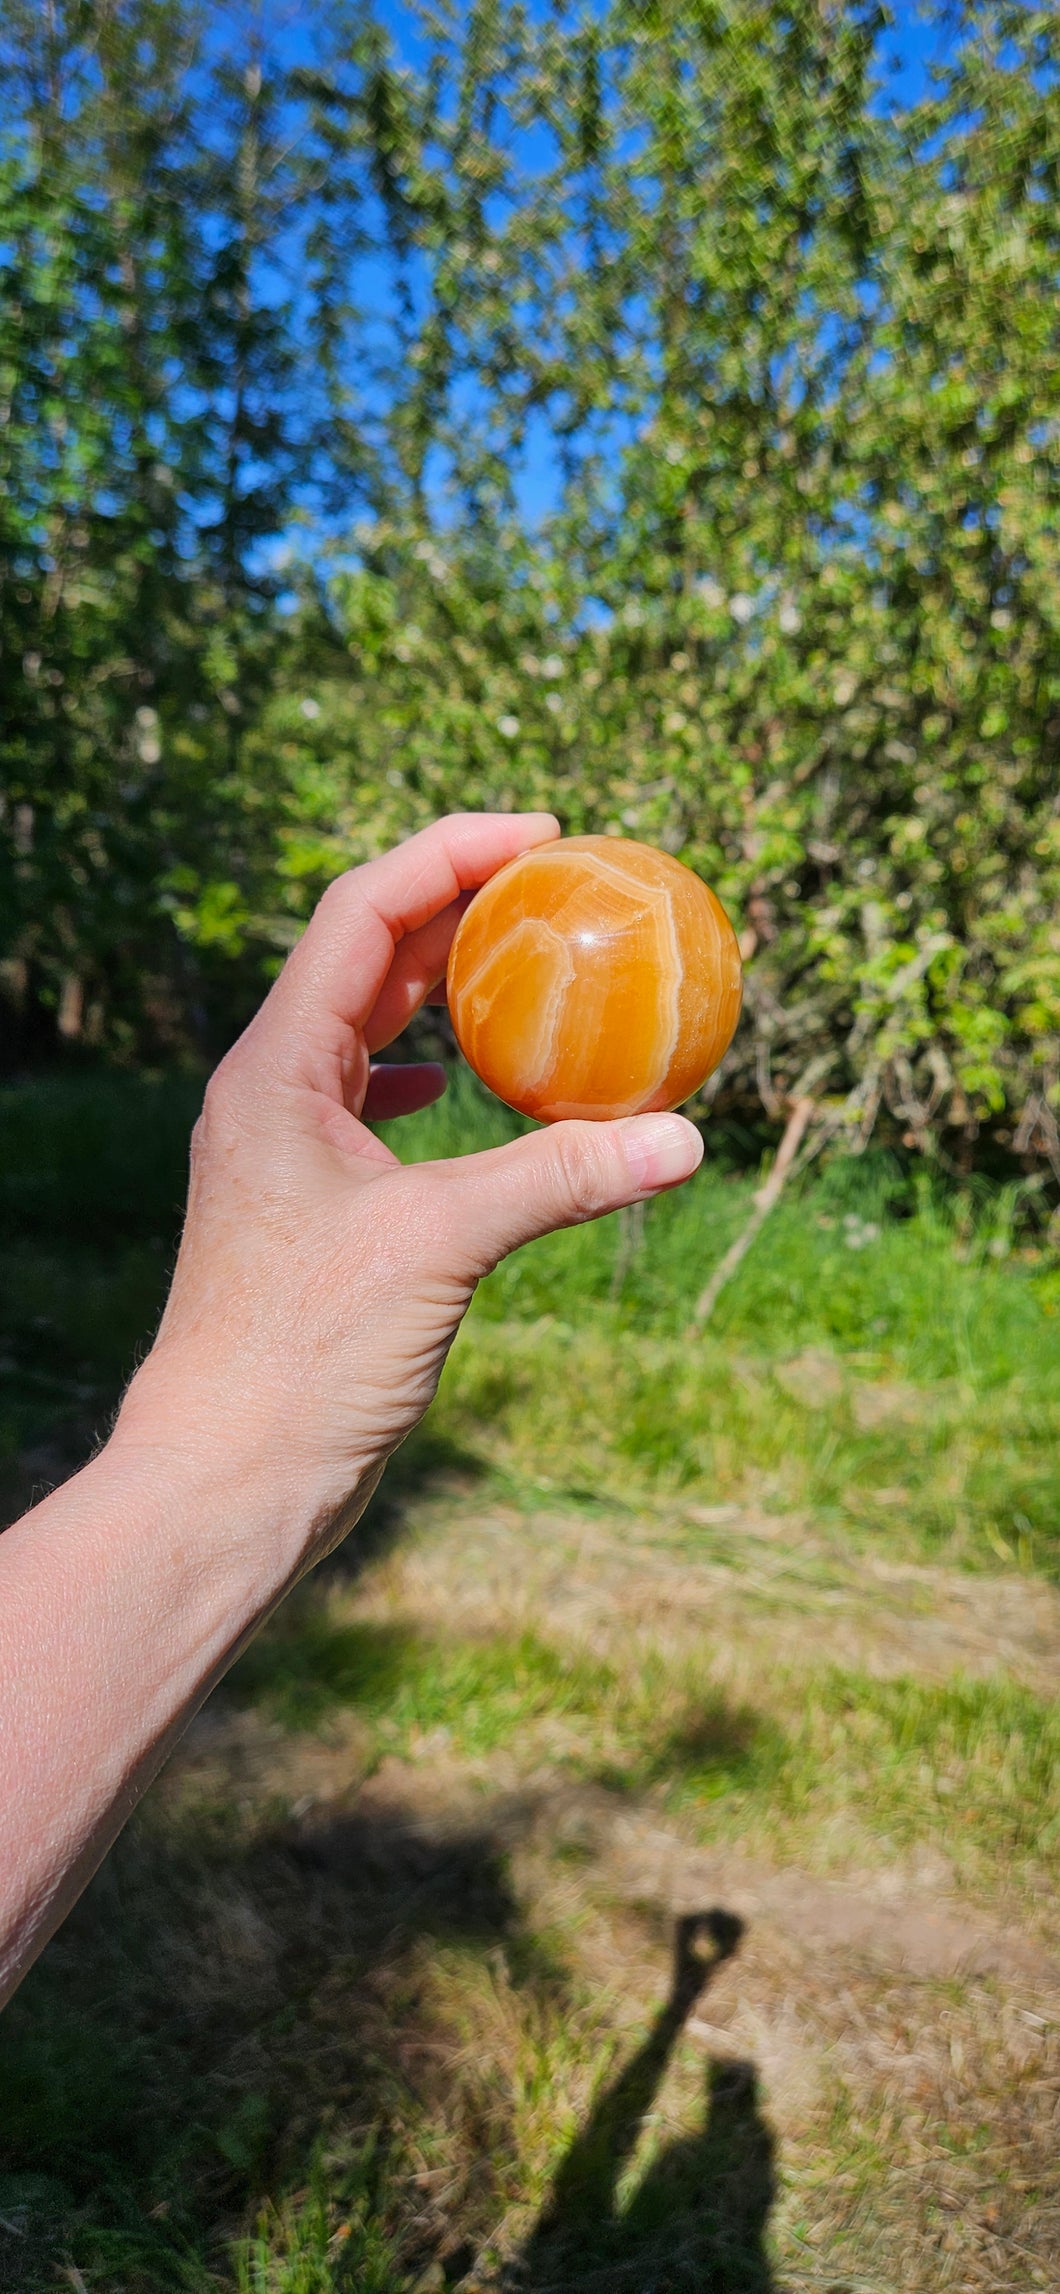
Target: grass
975,1758
972,1763
378,1991
927,1336
328,2240
926,1331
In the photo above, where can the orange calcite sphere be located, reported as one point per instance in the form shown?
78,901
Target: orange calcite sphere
594,977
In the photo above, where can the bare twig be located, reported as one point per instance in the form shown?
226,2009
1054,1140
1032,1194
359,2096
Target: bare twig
1038,1132
766,1197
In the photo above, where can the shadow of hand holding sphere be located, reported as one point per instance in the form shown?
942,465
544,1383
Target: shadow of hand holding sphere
697,2220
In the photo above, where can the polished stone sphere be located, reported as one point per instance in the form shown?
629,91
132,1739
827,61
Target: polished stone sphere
594,977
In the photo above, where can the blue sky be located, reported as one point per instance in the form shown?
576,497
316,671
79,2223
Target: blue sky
913,45
906,51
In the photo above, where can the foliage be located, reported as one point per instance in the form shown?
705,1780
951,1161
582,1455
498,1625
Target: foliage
781,356
177,218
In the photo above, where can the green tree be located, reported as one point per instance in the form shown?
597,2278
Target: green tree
795,614
183,213
787,354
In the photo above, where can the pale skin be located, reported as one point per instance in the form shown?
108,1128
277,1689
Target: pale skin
318,1288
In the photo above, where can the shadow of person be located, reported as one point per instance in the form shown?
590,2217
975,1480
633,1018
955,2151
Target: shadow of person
698,2218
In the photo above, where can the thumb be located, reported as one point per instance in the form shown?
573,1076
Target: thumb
559,1178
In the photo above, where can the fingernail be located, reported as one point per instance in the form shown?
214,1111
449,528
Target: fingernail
660,1150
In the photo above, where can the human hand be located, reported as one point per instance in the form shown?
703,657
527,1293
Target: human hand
318,1287
320,1282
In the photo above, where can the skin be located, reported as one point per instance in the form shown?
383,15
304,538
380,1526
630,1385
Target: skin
318,1289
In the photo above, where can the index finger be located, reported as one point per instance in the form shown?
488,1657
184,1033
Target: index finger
332,979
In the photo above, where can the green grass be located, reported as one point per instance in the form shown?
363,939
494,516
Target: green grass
962,1467
972,1763
971,1766
305,1668
92,1179
327,2240
937,1288
95,1158
575,1370
252,2066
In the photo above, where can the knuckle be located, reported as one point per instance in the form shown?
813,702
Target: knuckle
219,1104
341,894
583,1171
218,1094
199,1143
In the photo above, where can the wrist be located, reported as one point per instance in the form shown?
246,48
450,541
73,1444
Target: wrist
250,1486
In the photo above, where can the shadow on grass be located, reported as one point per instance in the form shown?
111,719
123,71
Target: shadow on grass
236,1997
302,1667
228,1998
215,2012
697,2220
213,2022
239,2006
713,1748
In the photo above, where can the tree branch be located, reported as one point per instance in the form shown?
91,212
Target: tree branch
764,1201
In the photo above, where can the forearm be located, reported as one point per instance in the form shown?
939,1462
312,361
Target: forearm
123,1597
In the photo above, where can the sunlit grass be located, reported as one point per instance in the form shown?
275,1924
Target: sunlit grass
972,1469
974,1762
221,2020
938,1423
479,1692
